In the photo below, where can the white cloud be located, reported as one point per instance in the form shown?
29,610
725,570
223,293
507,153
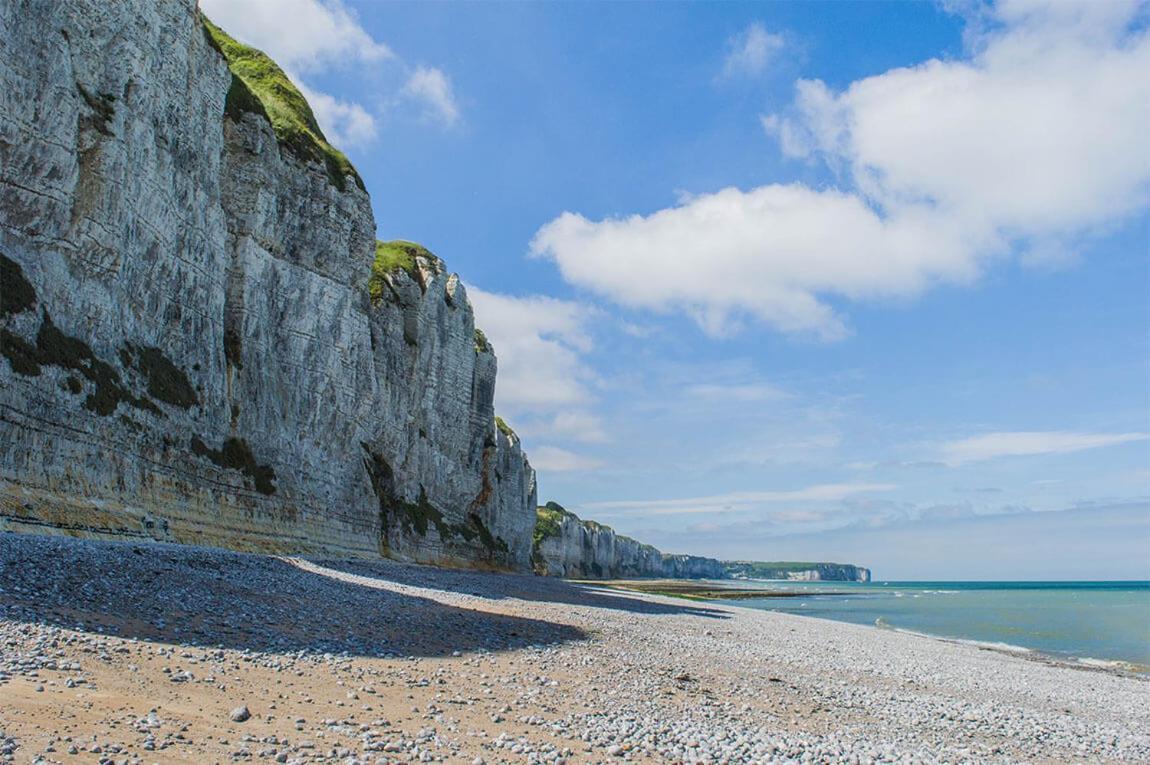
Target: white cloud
580,426
344,123
539,342
831,492
298,34
544,386
751,50
432,88
739,392
307,37
1017,444
554,459
1032,142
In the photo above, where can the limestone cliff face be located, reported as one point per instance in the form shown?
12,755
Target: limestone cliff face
798,572
567,546
190,349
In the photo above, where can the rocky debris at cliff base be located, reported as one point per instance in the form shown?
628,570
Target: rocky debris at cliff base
547,672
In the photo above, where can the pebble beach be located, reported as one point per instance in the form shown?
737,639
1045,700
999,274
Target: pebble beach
132,652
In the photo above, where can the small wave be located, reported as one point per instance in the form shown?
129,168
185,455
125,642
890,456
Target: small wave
1126,666
993,645
989,644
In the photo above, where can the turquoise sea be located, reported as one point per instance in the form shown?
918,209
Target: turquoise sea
1093,622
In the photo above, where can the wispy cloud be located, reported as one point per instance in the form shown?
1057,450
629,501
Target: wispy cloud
345,123
555,459
1017,444
742,393
830,492
432,88
750,51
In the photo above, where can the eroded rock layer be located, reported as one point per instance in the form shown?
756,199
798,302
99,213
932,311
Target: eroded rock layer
193,344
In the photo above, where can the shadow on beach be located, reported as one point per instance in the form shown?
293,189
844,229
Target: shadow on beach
496,586
215,598
219,599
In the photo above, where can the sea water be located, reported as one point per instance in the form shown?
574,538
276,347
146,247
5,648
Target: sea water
1091,622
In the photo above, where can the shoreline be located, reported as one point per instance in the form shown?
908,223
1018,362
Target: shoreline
715,591
145,651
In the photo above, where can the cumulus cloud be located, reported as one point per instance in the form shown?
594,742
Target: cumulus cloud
538,341
311,37
1033,141
545,383
308,36
432,88
298,34
1019,444
751,50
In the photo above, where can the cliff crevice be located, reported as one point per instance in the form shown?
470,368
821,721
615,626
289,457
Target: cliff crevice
196,344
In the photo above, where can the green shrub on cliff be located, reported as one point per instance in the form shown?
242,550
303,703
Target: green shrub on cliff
504,428
481,344
265,89
395,256
549,522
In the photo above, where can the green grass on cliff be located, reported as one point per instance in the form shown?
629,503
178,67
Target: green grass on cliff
777,565
260,86
504,428
481,343
395,256
549,521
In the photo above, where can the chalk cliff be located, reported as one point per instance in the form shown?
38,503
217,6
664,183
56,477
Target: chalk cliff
200,340
797,572
568,546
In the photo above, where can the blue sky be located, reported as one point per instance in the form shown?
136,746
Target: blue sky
845,281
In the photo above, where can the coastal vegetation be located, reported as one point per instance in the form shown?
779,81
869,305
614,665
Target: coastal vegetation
260,86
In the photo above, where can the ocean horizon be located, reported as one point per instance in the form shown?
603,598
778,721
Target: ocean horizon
1094,622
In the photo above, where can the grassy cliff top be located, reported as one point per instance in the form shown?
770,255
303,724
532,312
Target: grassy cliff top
398,255
759,565
256,79
549,521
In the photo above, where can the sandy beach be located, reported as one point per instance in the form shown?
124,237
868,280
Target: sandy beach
141,653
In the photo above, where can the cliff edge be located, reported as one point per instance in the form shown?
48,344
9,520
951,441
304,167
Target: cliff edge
567,546
201,340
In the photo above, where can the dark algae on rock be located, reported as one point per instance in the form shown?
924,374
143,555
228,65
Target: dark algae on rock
237,455
199,332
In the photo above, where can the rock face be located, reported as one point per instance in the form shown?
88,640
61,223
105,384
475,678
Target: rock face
193,344
797,572
567,546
